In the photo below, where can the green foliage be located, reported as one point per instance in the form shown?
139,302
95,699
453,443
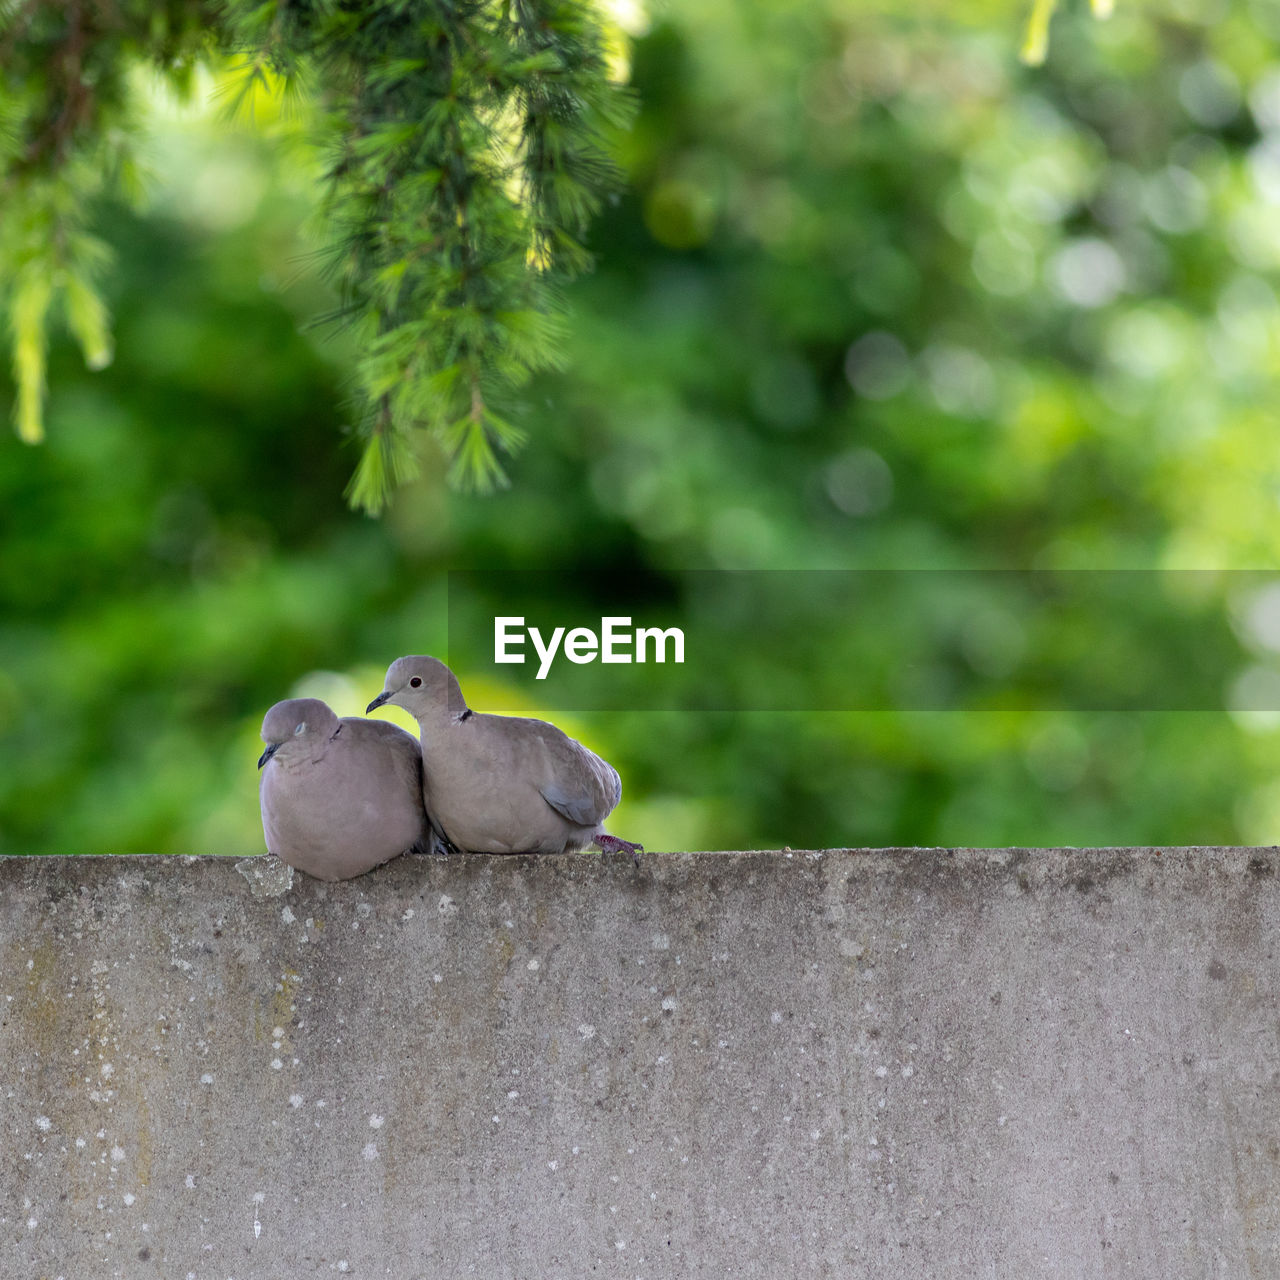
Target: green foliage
465,154
1035,42
878,297
65,130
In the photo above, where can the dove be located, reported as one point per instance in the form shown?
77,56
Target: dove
501,784
339,797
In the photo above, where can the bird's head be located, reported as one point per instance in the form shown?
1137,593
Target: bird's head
424,687
296,727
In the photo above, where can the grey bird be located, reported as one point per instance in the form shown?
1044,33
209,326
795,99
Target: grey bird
502,784
339,797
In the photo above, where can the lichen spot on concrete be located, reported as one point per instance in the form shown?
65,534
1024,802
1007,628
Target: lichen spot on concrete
370,1151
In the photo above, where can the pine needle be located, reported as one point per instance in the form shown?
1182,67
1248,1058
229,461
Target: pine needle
1035,44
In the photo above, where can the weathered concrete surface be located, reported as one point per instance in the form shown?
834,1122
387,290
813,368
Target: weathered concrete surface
888,1064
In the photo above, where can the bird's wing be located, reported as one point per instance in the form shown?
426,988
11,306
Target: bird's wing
582,787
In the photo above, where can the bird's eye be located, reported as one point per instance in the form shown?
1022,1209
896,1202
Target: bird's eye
415,682
300,728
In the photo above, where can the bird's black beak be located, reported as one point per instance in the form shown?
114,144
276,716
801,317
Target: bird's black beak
268,753
384,696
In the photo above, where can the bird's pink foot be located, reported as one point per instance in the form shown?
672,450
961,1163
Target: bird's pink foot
612,844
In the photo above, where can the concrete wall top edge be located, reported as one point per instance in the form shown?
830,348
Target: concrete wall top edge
1083,867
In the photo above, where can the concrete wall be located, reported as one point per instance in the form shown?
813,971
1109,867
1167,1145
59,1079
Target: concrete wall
853,1064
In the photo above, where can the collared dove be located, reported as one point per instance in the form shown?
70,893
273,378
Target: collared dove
339,797
502,784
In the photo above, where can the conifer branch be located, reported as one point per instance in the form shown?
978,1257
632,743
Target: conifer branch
467,145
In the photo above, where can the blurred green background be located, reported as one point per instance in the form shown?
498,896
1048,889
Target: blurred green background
877,296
